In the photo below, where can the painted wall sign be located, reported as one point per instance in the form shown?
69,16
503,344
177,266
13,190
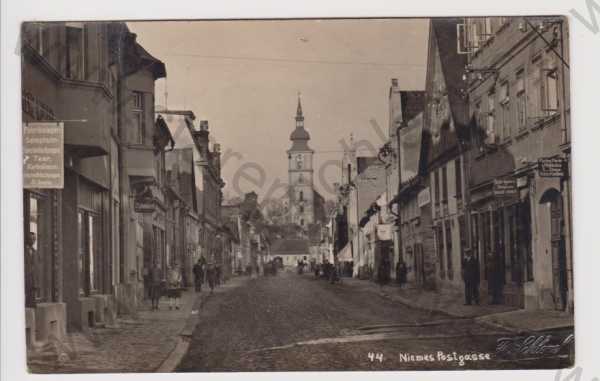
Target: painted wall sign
43,155
552,167
505,187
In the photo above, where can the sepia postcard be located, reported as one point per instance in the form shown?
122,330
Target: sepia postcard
297,195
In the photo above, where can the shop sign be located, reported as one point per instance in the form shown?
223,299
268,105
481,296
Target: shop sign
43,155
552,167
424,197
144,205
522,182
505,187
384,232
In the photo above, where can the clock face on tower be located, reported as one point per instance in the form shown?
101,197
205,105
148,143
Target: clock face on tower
299,161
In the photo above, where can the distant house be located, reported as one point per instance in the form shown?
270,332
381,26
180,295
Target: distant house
291,251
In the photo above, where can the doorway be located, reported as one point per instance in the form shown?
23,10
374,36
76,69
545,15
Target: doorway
558,245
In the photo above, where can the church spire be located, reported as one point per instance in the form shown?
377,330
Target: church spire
299,116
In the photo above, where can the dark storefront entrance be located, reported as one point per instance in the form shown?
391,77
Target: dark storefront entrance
559,253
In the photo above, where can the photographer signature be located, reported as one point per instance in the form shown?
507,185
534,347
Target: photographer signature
531,345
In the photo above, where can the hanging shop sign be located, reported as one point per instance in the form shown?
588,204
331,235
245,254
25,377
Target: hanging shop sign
505,187
384,232
144,205
43,155
552,167
423,197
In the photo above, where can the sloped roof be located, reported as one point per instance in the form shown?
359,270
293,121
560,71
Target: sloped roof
290,247
453,65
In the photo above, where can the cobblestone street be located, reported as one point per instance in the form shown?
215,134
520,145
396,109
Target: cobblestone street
292,322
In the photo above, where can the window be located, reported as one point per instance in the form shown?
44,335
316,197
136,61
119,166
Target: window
505,109
75,51
462,233
301,209
536,88
475,235
486,238
139,124
444,185
458,179
302,222
449,250
436,186
89,234
551,96
39,38
491,118
301,196
489,30
521,101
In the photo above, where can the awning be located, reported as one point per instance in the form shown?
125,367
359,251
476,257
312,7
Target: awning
345,255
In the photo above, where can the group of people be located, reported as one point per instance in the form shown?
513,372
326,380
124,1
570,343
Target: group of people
171,286
471,278
208,272
327,270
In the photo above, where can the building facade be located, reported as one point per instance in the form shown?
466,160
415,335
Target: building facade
518,81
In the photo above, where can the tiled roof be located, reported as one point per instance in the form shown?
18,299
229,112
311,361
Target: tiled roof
290,247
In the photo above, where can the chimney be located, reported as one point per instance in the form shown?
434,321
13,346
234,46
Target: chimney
201,138
394,82
217,157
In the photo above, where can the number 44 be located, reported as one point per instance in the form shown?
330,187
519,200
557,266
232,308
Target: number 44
375,356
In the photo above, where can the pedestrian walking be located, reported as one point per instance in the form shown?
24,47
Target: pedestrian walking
174,286
383,272
210,276
198,275
155,281
218,275
401,272
470,274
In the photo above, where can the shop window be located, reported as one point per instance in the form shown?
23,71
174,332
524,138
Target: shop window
436,187
444,184
498,221
523,221
89,241
439,235
486,239
514,263
38,229
462,232
475,235
449,251
75,51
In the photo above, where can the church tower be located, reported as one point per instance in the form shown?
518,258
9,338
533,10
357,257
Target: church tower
300,173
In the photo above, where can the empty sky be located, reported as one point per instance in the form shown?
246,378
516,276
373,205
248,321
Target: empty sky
244,77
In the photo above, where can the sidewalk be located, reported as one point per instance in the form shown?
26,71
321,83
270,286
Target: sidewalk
530,321
140,345
452,303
